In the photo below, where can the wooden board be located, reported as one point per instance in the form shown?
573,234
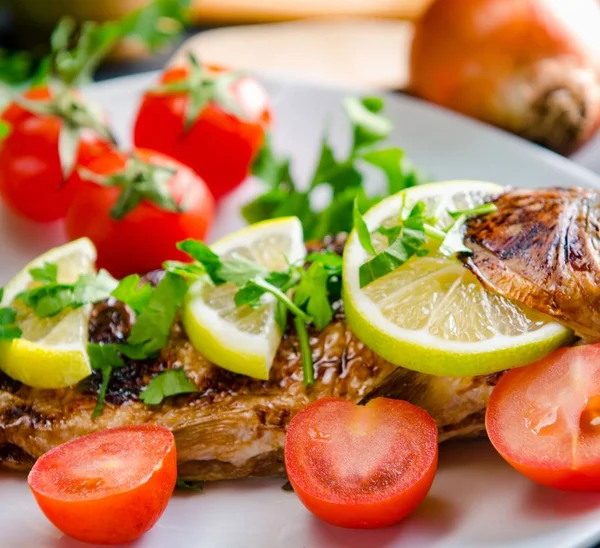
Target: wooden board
245,11
369,53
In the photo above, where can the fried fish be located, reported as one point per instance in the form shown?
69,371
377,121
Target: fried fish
234,426
541,248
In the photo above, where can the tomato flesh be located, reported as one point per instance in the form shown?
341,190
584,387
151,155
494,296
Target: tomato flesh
109,487
544,419
361,466
219,146
146,236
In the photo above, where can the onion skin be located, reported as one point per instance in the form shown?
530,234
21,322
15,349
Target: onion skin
531,67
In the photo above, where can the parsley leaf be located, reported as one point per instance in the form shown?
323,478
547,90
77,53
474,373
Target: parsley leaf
409,242
190,485
52,298
104,358
8,329
164,385
453,241
46,273
204,255
312,294
240,270
368,126
151,330
342,175
362,231
132,294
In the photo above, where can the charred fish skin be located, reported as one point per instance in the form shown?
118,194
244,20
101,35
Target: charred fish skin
541,249
234,426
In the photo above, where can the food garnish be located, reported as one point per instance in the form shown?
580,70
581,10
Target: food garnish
109,487
361,466
235,310
190,485
104,358
209,118
408,237
123,202
343,176
543,419
50,351
167,384
313,289
415,303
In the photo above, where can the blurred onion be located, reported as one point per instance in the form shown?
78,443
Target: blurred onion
529,66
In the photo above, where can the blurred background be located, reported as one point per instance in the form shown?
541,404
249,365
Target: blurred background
27,24
531,67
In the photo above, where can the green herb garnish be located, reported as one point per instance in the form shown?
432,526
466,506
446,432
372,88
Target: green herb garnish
51,297
8,317
151,330
342,175
104,358
164,385
408,238
314,289
134,295
189,485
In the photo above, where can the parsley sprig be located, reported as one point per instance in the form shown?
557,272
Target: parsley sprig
408,238
76,51
343,175
306,293
167,384
49,297
8,328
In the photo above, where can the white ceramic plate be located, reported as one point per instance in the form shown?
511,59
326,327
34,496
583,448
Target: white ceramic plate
476,499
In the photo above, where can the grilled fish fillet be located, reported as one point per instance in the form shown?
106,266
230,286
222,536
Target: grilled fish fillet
234,426
542,249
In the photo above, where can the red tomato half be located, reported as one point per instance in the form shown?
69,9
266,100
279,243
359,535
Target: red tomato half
361,466
544,419
109,487
31,179
219,146
146,236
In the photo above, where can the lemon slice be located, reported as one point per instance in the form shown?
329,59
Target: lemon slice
51,352
432,314
242,339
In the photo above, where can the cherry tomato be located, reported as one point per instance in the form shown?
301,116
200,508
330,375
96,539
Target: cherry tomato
145,237
109,487
219,145
361,466
544,419
31,177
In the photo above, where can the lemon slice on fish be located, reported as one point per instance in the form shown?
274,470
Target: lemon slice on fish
432,314
51,352
243,339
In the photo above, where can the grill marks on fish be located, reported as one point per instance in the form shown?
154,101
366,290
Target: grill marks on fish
235,425
541,248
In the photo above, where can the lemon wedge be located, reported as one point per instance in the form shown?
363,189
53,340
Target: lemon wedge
243,339
432,314
51,352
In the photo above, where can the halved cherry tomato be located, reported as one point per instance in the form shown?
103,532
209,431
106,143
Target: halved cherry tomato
544,419
32,182
361,466
143,238
109,487
220,143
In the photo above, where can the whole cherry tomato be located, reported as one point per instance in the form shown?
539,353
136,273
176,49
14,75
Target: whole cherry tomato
210,119
136,208
49,135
